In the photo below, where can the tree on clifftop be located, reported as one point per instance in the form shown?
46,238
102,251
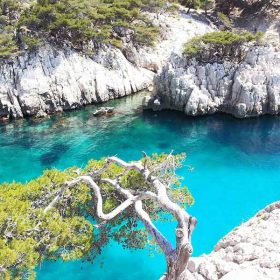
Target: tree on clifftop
251,6
73,214
196,4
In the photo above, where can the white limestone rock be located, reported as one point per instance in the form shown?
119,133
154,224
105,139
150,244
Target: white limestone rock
249,252
244,89
52,80
246,274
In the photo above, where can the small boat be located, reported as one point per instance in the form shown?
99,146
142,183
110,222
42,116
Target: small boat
104,111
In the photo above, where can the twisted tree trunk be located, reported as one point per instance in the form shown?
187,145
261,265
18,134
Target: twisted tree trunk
176,258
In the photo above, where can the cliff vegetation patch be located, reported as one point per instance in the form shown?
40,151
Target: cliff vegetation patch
218,41
24,24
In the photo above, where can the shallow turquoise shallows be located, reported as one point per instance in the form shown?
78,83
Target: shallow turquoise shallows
236,170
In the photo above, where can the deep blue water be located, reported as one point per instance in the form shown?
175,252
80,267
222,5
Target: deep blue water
236,170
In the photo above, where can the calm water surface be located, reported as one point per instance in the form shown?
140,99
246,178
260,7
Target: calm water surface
236,170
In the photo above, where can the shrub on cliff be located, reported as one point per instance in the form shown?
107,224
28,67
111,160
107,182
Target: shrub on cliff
8,45
9,10
25,23
247,6
197,4
225,20
214,40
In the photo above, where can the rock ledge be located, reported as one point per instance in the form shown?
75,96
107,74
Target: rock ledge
249,252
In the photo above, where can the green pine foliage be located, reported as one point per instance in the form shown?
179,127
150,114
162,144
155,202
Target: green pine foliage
28,236
197,4
75,22
8,10
78,22
216,39
8,45
225,19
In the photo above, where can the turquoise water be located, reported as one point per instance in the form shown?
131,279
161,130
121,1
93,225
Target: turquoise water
236,170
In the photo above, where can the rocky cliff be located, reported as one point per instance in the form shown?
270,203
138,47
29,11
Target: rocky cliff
53,79
245,88
250,251
245,84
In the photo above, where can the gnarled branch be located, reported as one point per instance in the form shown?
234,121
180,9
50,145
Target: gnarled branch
176,258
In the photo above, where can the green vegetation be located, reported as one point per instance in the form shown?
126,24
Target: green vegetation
26,23
31,42
80,21
7,45
225,19
197,4
75,22
206,5
30,235
252,6
213,40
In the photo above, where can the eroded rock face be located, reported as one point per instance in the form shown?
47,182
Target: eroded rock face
52,80
250,252
250,87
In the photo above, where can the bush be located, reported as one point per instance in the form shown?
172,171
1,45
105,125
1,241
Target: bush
197,4
31,42
8,45
76,22
225,19
80,21
213,40
146,36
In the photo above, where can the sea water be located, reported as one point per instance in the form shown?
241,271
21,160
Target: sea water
232,170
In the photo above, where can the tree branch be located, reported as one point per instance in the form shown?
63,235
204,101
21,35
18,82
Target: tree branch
99,200
162,197
130,166
60,194
164,244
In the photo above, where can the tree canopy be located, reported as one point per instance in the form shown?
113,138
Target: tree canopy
252,6
218,40
24,23
58,216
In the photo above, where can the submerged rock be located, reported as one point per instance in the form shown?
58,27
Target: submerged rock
249,252
104,111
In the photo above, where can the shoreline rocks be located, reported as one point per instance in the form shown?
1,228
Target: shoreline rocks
52,80
250,251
